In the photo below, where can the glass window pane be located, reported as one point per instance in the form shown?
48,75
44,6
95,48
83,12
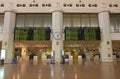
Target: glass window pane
76,20
47,21
81,20
118,23
34,20
20,21
67,20
38,21
112,21
1,22
94,20
114,24
29,21
85,20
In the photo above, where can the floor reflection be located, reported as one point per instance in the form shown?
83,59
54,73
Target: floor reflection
108,71
1,72
60,71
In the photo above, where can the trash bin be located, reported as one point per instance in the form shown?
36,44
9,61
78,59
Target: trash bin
52,60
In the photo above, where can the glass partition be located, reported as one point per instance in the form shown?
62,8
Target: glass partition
34,20
80,20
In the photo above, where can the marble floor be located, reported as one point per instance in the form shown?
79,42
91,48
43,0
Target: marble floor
60,71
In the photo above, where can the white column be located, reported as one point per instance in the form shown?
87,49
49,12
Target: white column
57,41
106,44
8,34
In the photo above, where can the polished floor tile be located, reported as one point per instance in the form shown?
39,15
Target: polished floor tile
60,71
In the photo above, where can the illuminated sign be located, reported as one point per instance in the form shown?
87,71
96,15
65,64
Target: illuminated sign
3,53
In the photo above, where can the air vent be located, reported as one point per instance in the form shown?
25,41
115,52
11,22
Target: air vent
43,5
24,5
21,5
33,5
67,5
1,5
49,5
113,5
92,5
46,5
80,5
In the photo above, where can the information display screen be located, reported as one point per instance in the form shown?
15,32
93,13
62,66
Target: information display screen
41,33
82,33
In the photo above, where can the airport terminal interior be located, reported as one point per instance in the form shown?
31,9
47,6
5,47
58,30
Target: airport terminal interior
59,39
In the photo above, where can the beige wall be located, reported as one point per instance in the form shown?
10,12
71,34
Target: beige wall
1,34
115,36
102,4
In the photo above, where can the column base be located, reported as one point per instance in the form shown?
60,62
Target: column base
105,61
7,61
56,62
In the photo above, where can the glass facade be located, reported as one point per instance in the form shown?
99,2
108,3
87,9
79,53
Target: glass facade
81,27
80,20
34,20
33,27
115,23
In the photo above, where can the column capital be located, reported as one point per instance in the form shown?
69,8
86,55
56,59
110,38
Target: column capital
104,10
56,6
57,11
12,10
